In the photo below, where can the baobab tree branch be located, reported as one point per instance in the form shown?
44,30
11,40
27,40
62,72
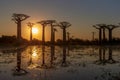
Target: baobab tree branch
112,26
43,23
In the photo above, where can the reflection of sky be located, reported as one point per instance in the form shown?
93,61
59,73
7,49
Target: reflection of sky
81,64
82,14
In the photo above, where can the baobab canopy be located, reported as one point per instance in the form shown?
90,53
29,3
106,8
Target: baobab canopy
19,17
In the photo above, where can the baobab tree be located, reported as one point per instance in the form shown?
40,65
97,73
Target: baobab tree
52,24
110,29
30,26
18,18
63,26
101,27
44,24
18,70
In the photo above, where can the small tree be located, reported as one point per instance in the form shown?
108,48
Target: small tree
30,26
110,29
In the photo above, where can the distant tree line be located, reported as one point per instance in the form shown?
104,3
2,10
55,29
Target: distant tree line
10,40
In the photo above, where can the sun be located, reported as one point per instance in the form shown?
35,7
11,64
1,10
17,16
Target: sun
34,30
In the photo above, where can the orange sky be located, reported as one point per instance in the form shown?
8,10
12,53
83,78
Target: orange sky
82,14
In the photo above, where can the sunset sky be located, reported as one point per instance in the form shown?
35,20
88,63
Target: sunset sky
82,14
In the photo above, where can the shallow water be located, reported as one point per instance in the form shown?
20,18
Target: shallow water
60,63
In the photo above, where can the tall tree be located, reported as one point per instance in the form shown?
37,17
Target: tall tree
30,26
101,28
52,24
18,18
43,23
63,26
110,29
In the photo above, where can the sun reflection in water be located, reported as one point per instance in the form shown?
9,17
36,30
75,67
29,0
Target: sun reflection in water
34,53
33,58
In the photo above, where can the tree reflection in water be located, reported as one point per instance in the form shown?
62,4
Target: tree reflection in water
103,59
30,61
52,56
64,63
78,63
18,71
43,56
110,58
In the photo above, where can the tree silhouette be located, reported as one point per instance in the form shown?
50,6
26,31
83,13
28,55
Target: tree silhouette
43,23
63,26
18,18
52,24
101,27
30,26
110,29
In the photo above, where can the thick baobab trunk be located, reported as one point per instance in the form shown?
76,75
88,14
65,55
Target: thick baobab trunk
54,37
64,35
110,35
19,30
103,33
52,33
43,35
31,34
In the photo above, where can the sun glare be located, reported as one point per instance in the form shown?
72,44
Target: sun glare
34,55
34,30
